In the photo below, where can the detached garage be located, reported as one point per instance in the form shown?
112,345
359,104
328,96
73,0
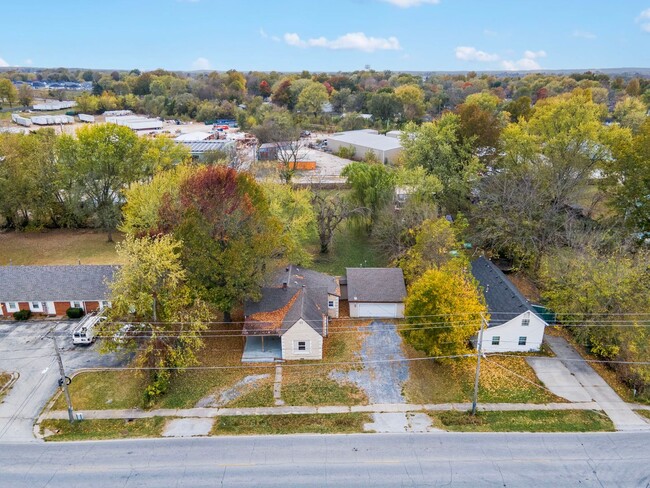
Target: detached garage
375,292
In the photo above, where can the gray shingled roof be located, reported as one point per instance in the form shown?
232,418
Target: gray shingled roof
297,277
54,283
310,305
379,285
504,300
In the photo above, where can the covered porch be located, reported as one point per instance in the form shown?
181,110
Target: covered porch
262,349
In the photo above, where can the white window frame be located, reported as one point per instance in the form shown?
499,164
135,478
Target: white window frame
331,304
524,341
11,308
36,306
296,347
525,321
74,303
496,340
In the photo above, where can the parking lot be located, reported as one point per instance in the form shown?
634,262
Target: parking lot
27,348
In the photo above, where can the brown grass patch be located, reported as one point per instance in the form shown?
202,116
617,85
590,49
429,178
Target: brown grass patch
58,247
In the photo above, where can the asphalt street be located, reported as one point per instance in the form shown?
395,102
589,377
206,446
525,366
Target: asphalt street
434,459
27,348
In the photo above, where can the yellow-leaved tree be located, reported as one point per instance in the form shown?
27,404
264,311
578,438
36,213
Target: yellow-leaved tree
444,307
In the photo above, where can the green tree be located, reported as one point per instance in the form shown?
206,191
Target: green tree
412,99
448,298
312,98
521,108
384,106
8,92
373,186
441,151
630,112
99,164
151,291
228,232
294,210
25,95
331,210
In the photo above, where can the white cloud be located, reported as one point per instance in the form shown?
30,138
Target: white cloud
469,53
263,33
527,63
201,64
3,63
644,20
534,54
411,3
583,34
357,41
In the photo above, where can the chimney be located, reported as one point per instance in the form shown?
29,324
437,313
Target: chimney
284,285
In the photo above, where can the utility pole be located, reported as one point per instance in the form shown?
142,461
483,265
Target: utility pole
63,381
479,352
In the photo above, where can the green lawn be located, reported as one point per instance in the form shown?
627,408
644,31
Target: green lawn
124,389
644,413
453,381
103,429
524,421
351,248
290,424
57,247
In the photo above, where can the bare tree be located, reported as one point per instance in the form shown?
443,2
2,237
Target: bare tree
331,210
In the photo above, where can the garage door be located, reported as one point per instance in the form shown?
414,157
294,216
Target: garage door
379,310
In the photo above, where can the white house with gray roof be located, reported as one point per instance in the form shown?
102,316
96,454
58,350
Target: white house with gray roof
51,290
513,326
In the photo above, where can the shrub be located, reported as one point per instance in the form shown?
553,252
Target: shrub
22,314
74,313
346,152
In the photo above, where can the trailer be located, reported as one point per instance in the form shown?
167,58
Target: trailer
24,121
86,118
84,333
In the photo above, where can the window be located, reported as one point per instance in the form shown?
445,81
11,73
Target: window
12,306
301,347
76,305
522,341
496,340
525,322
330,304
35,306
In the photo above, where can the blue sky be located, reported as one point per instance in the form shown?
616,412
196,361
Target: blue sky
332,35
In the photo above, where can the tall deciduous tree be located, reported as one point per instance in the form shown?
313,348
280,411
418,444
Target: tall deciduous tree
373,186
448,298
412,99
229,235
99,164
331,210
312,98
439,148
151,289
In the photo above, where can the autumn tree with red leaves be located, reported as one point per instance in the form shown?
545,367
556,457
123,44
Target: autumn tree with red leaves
222,217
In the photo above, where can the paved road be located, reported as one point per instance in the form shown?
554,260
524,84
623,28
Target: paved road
27,348
616,409
456,460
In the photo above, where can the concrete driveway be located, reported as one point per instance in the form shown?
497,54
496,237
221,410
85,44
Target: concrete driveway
557,378
27,349
619,412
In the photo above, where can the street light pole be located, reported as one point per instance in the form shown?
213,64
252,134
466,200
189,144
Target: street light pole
63,381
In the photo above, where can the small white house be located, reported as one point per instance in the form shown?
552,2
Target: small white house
290,319
513,325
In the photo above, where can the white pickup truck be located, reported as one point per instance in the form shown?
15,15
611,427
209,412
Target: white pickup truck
84,332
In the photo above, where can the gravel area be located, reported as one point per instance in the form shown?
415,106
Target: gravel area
382,381
232,393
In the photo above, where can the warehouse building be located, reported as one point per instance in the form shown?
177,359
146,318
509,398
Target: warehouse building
386,149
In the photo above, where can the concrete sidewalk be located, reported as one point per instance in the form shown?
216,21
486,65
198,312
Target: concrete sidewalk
308,410
608,400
